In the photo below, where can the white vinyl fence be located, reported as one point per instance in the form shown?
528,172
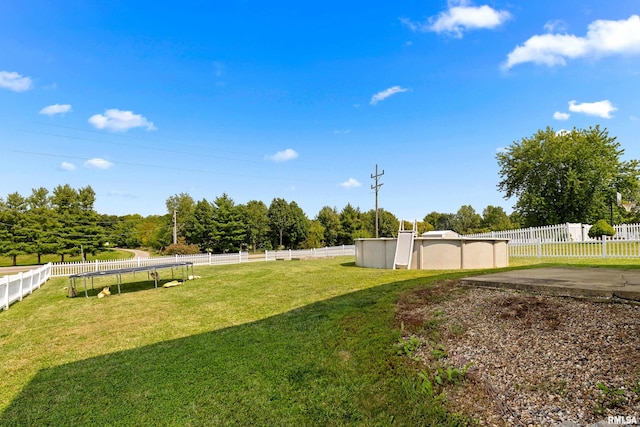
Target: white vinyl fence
568,232
69,268
569,240
15,287
343,250
606,247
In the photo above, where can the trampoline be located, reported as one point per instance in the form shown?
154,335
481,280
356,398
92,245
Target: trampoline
119,272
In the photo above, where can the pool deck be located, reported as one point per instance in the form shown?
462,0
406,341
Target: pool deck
566,281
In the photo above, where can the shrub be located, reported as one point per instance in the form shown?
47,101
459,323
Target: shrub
181,248
601,228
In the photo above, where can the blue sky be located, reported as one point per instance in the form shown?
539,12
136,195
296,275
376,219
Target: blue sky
144,100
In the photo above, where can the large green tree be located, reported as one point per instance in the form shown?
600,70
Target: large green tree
438,221
41,223
154,231
351,226
14,231
388,223
329,218
198,227
280,219
494,218
228,231
297,232
77,227
122,231
256,220
182,206
466,220
563,176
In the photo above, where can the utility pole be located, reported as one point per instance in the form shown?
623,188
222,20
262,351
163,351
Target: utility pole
376,187
175,227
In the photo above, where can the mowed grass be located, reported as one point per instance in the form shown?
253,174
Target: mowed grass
279,343
109,254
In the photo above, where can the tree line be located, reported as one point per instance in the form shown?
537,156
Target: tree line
64,222
556,177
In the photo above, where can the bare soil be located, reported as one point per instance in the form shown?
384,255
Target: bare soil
533,360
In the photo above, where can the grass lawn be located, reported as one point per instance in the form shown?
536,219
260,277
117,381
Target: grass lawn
108,254
278,343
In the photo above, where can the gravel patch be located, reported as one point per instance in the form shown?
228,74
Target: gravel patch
536,360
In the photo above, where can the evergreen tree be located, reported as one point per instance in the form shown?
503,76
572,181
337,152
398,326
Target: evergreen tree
198,228
330,220
297,231
228,228
350,225
14,233
42,223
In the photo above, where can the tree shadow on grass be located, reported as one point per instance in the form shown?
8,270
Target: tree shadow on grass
329,363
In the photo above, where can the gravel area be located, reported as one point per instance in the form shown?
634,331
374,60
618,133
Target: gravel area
536,360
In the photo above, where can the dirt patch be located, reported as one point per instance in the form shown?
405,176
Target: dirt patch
532,360
529,311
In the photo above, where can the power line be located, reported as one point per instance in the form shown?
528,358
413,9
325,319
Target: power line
200,154
158,167
173,143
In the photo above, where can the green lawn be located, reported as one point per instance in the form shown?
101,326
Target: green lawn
279,343
32,259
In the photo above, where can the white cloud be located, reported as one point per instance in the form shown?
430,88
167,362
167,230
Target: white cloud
14,81
601,108
381,96
97,163
339,131
561,116
350,183
603,38
66,166
555,26
283,156
119,120
56,109
461,17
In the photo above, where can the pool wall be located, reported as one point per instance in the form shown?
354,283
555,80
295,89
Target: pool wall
436,254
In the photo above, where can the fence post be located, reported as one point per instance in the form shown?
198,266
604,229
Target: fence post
20,276
240,256
6,293
289,254
539,247
604,246
38,280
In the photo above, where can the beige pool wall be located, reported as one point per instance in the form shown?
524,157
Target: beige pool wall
439,251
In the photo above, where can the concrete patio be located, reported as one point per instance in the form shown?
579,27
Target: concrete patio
566,281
